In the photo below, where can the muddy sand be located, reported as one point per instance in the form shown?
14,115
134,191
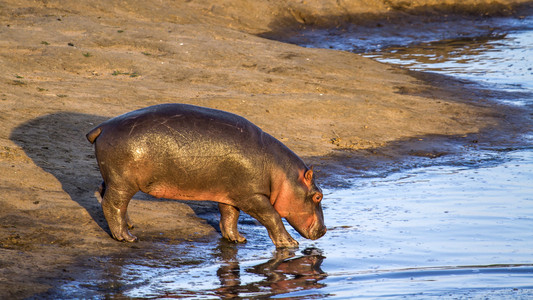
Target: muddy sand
69,65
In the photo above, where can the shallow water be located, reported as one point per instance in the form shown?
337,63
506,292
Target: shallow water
460,230
497,61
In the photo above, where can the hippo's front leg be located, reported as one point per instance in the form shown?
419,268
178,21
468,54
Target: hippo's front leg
263,211
229,215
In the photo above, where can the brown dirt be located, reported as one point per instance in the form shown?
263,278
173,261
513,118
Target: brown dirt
68,65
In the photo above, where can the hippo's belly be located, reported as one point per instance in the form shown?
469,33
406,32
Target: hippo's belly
172,192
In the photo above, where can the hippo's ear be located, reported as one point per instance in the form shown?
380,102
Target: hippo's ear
308,177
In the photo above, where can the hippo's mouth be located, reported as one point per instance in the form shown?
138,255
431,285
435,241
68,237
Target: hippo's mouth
313,232
318,232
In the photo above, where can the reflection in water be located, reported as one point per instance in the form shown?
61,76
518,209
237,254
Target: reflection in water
497,60
492,51
500,60
444,51
284,272
183,274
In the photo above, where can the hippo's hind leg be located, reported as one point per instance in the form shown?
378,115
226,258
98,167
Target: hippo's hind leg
101,190
229,215
115,204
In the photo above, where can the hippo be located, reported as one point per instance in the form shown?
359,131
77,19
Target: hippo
186,152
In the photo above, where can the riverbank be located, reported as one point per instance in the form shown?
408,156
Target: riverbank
69,65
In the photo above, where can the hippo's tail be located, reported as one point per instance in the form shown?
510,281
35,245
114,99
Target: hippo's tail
93,134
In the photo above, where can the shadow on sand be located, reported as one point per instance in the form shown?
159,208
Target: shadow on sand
57,144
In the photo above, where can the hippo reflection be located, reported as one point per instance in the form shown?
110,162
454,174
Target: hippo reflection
284,273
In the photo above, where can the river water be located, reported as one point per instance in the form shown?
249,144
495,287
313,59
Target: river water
446,230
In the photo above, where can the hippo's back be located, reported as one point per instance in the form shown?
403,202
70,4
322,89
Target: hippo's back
186,125
185,144
180,116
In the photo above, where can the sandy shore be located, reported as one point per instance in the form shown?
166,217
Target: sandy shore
69,65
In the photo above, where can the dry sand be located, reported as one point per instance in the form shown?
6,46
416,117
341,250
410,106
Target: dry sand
69,65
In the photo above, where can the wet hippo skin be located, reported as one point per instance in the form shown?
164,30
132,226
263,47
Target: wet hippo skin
186,152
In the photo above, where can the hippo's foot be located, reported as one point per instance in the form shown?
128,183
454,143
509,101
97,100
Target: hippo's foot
119,229
233,237
229,215
285,242
114,205
124,236
231,233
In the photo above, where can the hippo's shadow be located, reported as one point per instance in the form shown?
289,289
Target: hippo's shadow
57,143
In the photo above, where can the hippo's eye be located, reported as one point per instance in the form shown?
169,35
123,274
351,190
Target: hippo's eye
317,197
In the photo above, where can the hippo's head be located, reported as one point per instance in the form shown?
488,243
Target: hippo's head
304,211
